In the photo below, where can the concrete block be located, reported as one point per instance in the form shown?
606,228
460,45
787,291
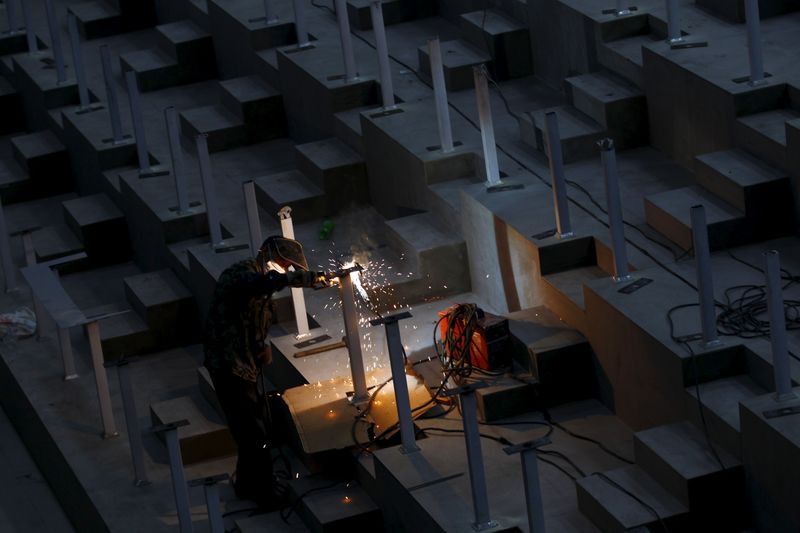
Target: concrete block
506,40
166,305
432,250
259,104
615,104
292,188
404,159
125,335
155,69
10,108
205,438
358,13
41,155
98,18
505,397
771,457
347,128
557,356
458,58
612,510
187,43
269,522
336,169
669,214
54,242
240,32
678,457
225,130
740,179
206,386
206,265
154,221
13,44
101,226
719,400
764,135
38,86
624,57
579,133
347,507
88,139
315,74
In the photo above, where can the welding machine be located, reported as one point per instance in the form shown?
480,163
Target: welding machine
487,334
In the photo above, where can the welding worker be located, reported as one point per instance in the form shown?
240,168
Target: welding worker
237,346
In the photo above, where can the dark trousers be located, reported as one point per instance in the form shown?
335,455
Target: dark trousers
248,420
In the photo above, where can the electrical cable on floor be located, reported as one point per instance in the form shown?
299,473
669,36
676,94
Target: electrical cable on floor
685,343
643,503
291,508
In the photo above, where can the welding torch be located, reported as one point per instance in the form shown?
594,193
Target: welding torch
332,278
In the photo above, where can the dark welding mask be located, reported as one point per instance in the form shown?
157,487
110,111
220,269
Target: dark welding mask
282,252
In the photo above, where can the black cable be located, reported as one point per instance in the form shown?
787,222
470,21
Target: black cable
291,508
685,343
593,441
643,503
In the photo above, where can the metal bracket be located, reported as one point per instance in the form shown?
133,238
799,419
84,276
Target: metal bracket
390,319
168,426
211,480
525,446
465,389
782,411
635,286
437,147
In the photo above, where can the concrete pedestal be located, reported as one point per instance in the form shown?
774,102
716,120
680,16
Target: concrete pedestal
403,156
315,74
39,89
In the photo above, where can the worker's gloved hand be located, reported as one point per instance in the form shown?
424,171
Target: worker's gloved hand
307,278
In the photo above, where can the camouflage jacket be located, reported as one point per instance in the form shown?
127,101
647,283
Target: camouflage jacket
241,311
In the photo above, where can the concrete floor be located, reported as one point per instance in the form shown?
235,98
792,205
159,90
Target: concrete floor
27,503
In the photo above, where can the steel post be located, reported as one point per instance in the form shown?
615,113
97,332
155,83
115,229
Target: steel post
298,297
397,362
77,62
209,191
33,45
176,154
142,152
350,69
674,34
112,97
487,127
300,23
11,14
268,16
477,474
754,45
705,286
253,220
382,47
215,521
554,154
614,205
179,486
533,491
101,380
9,268
440,95
67,357
132,424
353,336
55,41
777,326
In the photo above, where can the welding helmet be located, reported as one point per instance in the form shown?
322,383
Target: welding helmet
282,251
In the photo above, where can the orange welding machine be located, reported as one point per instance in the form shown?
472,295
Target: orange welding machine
475,338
